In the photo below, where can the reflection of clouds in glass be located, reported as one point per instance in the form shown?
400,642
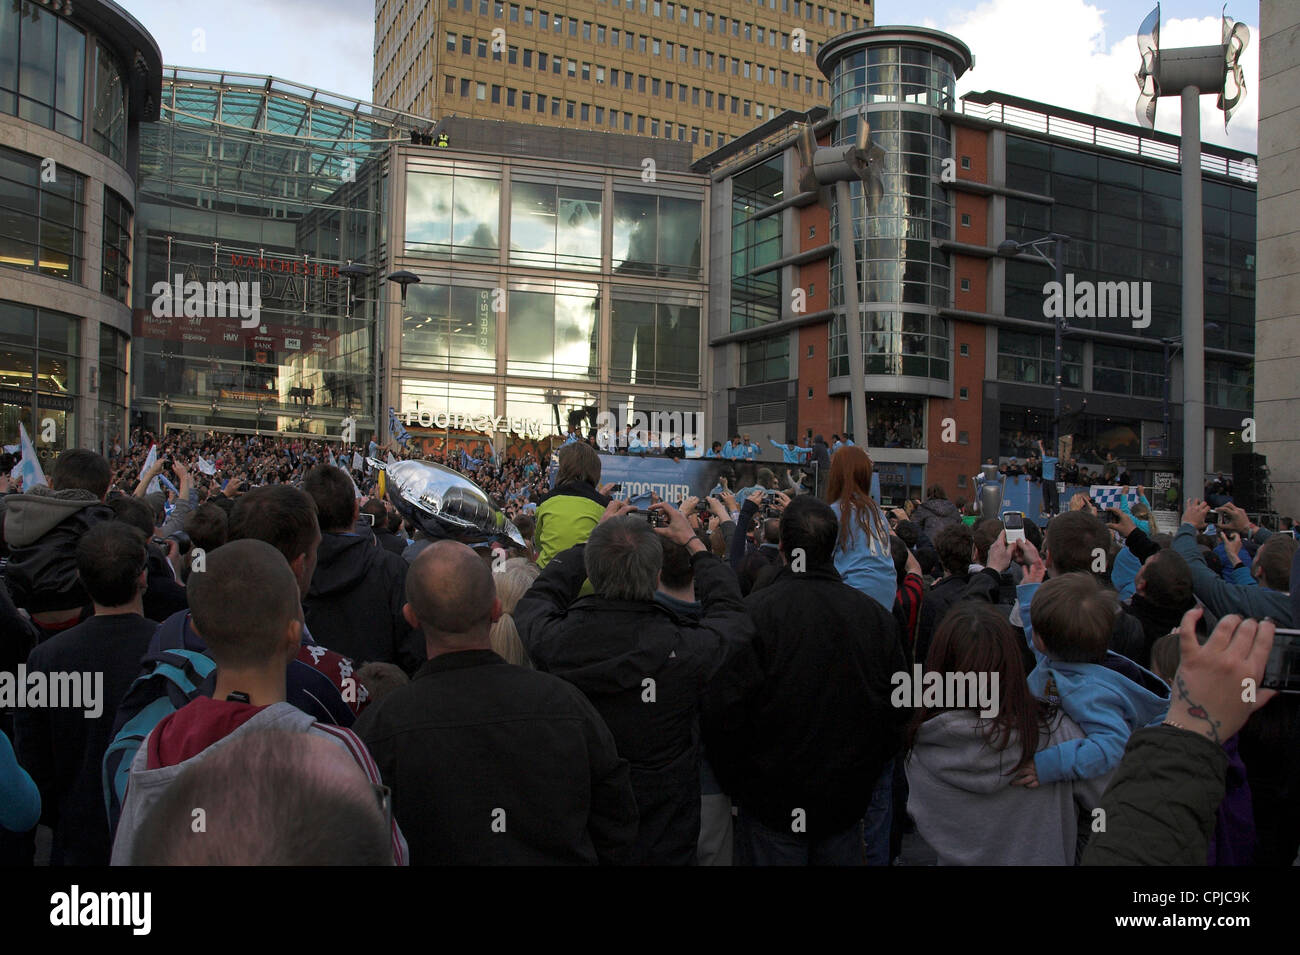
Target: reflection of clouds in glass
575,328
428,208
476,216
579,228
442,396
634,230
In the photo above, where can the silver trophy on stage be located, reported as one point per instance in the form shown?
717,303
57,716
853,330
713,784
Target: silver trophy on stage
989,496
445,504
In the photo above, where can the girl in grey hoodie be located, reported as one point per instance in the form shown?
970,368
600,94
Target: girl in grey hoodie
961,764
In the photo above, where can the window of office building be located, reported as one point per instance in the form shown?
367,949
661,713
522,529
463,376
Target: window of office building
895,421
555,226
755,241
1123,370
449,327
39,363
42,68
656,235
552,330
453,216
1030,359
655,338
113,399
767,359
115,277
895,343
1123,218
40,222
1229,385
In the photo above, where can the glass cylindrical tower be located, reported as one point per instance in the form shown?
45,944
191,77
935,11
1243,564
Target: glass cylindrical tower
899,80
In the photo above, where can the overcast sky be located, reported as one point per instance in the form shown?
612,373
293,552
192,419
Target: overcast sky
1070,53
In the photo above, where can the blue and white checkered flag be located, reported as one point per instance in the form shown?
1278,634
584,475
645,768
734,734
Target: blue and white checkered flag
397,429
1108,495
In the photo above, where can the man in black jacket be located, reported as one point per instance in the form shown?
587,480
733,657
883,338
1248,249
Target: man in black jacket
641,665
956,547
63,748
492,763
799,722
354,605
42,527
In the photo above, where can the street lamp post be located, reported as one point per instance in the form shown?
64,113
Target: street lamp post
1009,249
1171,346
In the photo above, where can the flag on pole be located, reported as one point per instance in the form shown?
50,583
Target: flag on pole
150,460
29,468
397,429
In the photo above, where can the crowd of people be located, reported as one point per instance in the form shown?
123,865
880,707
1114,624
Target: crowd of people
776,672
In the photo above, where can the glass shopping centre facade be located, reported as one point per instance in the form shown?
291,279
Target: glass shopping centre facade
275,187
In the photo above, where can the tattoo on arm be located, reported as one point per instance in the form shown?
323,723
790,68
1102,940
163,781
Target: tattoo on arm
1196,711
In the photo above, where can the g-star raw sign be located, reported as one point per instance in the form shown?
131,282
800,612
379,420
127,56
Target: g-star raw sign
482,423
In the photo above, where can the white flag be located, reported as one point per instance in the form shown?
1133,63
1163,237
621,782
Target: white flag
150,460
391,460
356,491
207,467
29,468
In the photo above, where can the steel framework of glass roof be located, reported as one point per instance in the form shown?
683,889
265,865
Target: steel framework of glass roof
224,136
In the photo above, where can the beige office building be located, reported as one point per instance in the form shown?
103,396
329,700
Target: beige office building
689,73
1277,310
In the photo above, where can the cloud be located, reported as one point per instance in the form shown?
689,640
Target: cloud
328,44
1057,53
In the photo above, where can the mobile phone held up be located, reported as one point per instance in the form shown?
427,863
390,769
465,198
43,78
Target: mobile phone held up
1282,671
1014,524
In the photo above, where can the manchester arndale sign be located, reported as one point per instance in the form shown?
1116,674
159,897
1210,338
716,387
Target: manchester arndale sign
482,423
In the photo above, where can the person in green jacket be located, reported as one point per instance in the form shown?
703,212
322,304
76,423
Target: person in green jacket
573,508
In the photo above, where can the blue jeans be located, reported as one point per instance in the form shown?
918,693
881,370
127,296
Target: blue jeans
879,818
756,844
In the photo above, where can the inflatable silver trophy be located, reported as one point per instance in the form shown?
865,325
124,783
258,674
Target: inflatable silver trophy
445,504
990,491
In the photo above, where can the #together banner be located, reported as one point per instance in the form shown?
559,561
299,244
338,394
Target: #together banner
674,479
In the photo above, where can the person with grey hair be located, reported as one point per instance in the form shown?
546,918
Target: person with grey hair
642,664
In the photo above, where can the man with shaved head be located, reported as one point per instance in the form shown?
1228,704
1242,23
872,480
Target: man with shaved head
245,607
491,763
270,798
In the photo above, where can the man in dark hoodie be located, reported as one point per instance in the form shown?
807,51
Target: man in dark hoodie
643,666
354,604
42,527
935,513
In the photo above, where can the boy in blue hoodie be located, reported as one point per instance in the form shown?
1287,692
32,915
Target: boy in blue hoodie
1071,618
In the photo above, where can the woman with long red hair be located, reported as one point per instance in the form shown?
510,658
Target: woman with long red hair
863,555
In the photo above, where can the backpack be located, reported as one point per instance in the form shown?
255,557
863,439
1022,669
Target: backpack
172,676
